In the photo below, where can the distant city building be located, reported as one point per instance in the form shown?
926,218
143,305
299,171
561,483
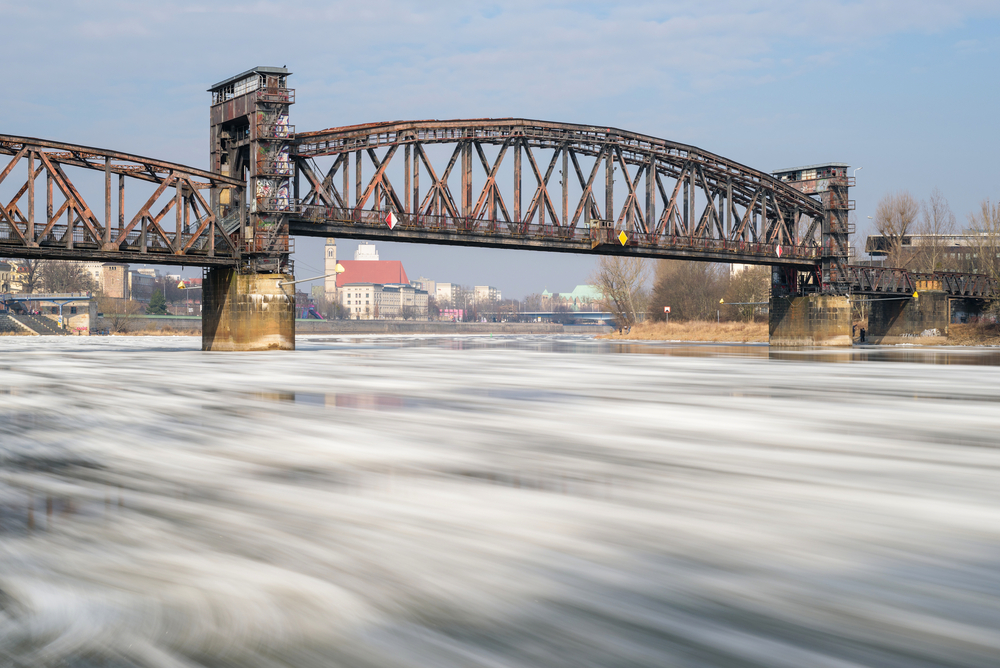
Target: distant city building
449,294
366,253
142,284
426,284
374,301
367,270
582,297
361,301
421,303
958,251
110,278
11,276
329,269
486,294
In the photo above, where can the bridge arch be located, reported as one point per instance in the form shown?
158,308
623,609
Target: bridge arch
45,214
675,200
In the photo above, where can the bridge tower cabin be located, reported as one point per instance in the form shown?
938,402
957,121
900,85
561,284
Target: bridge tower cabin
814,308
247,308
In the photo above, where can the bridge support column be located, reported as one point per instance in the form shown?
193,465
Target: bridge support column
809,320
923,319
247,311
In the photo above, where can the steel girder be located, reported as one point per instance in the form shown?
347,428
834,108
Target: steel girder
68,228
964,285
884,280
880,280
678,200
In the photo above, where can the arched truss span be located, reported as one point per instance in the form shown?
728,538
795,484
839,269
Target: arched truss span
669,199
166,219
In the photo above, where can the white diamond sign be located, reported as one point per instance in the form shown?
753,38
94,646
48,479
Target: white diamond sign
391,220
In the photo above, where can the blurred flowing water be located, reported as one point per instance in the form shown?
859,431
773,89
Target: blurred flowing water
475,501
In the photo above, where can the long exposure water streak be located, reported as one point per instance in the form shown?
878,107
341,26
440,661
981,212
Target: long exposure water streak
506,501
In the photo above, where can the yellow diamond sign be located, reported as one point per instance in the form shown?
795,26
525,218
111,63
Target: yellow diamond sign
622,237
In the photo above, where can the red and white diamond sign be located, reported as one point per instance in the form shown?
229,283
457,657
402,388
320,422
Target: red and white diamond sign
391,220
779,250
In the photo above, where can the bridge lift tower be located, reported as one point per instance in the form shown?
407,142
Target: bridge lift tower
248,308
816,309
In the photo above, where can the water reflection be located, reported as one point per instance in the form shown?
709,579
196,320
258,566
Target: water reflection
972,356
348,400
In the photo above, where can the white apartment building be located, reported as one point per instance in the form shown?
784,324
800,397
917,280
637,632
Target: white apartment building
448,293
392,301
361,301
421,303
486,294
427,284
374,301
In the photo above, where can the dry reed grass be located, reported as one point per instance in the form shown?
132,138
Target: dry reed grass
980,334
696,330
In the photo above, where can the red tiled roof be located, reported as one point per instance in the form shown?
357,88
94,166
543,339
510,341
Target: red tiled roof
372,271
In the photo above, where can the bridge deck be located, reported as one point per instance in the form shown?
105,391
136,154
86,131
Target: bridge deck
348,224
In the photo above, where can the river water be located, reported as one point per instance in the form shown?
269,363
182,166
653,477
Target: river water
508,501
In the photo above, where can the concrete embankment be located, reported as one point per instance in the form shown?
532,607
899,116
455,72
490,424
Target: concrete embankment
192,325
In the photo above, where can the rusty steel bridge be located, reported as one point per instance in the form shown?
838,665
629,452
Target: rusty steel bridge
502,183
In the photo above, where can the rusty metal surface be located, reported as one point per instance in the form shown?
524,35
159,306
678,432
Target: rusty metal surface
350,223
884,280
69,228
742,214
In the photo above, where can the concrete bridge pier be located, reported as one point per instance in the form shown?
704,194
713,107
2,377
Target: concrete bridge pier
247,311
809,320
922,319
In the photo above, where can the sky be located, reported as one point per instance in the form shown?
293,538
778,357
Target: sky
908,91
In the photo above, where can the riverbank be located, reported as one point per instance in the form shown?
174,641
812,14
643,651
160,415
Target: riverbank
188,326
974,335
695,330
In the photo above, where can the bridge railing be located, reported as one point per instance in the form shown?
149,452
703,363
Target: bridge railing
412,222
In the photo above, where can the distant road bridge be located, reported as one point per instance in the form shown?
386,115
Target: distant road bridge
504,183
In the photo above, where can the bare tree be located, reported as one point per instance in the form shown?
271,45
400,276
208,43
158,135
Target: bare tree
621,282
118,314
748,289
32,279
64,276
691,289
985,228
937,221
895,215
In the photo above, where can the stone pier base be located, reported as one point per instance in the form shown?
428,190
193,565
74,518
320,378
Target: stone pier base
923,319
810,320
247,312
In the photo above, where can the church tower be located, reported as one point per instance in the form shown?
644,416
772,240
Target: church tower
329,268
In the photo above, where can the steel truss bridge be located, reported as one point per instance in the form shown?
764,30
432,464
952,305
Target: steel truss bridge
674,200
505,183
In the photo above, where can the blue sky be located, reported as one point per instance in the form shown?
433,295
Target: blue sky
906,90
